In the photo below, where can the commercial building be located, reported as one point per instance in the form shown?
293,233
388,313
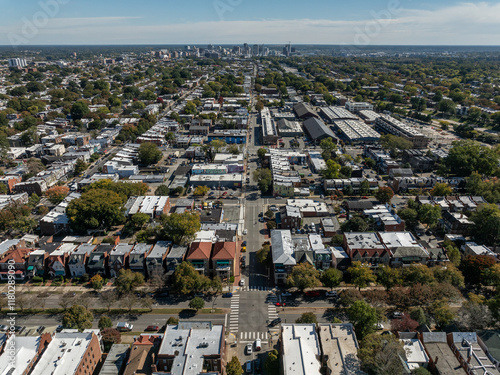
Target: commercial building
357,107
225,180
287,128
269,130
388,124
154,206
192,348
316,161
304,111
301,349
470,355
369,116
70,353
20,354
339,349
317,130
282,252
308,207
355,132
331,114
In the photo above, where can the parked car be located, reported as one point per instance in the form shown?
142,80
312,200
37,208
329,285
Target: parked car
152,328
3,328
258,345
257,365
313,293
245,231
280,304
242,282
396,315
379,326
275,322
342,216
332,293
248,366
286,294
124,327
249,349
244,243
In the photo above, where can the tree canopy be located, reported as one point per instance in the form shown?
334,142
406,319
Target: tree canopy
467,156
77,317
303,276
149,153
180,228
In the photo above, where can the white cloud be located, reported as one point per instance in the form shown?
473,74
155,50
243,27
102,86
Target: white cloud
464,23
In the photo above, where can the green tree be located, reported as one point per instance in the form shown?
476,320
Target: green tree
261,153
80,167
389,277
96,208
476,269
139,219
188,280
486,228
395,144
180,228
409,216
233,367
197,303
361,275
149,153
79,110
262,255
452,252
328,146
190,108
449,274
201,190
264,179
105,322
233,149
467,156
272,363
381,355
441,189
307,318
418,274
97,282
332,170
303,276
384,195
447,106
218,144
128,280
331,278
443,315
162,191
364,187
419,316
429,214
363,317
355,224
77,317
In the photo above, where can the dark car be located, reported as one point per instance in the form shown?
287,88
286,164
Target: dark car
152,328
275,322
244,243
313,293
227,295
257,365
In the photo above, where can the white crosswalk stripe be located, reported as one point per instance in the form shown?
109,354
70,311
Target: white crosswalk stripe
253,335
234,315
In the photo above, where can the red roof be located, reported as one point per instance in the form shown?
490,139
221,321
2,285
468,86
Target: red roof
224,250
199,250
18,255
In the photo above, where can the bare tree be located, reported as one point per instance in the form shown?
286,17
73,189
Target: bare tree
130,300
109,298
147,303
474,316
41,300
157,281
66,300
85,300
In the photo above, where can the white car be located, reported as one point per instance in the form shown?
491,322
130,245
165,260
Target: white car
332,293
245,231
379,326
249,349
242,282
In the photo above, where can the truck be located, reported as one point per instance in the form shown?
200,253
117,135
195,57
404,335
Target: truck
124,327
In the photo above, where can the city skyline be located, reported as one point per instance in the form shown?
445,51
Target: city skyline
397,22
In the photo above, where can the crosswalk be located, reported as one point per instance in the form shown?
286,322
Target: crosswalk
255,288
235,311
252,336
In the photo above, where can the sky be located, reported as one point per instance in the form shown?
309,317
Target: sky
200,22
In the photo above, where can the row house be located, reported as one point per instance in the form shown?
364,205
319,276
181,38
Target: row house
137,257
16,258
118,258
155,260
78,260
219,258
